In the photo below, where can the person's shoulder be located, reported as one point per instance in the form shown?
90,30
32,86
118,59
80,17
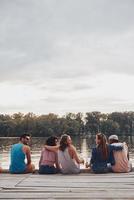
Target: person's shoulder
16,144
124,143
116,147
125,146
71,149
94,149
111,146
44,150
26,148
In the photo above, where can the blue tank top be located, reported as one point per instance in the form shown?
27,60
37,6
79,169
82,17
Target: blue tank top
17,159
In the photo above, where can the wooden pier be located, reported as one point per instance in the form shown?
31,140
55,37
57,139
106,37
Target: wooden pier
82,186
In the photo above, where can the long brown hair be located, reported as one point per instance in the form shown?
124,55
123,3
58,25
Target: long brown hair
102,145
63,142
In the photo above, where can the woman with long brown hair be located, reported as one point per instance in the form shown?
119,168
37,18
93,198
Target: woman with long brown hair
102,154
68,158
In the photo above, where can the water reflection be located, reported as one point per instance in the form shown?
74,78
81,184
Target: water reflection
83,146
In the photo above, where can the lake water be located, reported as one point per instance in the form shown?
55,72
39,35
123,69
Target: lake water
83,146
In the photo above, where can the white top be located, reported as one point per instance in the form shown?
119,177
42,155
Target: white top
67,164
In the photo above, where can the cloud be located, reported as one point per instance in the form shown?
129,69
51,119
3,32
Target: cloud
53,36
83,87
64,51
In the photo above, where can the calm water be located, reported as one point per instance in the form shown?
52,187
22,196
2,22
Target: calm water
83,146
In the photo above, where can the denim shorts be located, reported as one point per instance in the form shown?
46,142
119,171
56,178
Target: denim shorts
46,169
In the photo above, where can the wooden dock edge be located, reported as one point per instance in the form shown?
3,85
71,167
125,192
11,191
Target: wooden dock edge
6,171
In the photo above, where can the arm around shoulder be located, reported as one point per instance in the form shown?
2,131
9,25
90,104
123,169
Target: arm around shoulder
52,148
116,148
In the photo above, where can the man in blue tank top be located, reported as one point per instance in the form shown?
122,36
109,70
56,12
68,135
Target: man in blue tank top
19,152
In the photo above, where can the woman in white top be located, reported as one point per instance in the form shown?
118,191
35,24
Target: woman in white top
67,156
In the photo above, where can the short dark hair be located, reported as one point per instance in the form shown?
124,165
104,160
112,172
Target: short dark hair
24,136
111,141
51,141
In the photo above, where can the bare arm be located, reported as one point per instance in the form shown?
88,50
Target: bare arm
116,148
56,163
26,150
52,148
40,159
74,155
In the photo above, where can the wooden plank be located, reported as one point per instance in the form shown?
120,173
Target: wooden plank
7,180
36,170
104,194
82,186
63,189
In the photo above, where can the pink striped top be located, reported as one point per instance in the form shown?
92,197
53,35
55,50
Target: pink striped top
48,157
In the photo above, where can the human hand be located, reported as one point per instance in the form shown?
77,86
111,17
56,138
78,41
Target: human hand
87,165
82,161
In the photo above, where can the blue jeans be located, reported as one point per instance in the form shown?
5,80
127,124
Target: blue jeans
46,169
100,168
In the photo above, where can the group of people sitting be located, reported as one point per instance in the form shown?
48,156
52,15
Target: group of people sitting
63,157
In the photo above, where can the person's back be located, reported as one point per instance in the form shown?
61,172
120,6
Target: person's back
121,157
121,161
68,165
48,157
102,155
99,164
19,152
68,159
48,163
17,159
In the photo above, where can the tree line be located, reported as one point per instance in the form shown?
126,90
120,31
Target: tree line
121,123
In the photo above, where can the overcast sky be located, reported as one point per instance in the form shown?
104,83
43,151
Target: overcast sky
66,56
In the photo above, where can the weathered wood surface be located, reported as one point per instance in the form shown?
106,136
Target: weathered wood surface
82,186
